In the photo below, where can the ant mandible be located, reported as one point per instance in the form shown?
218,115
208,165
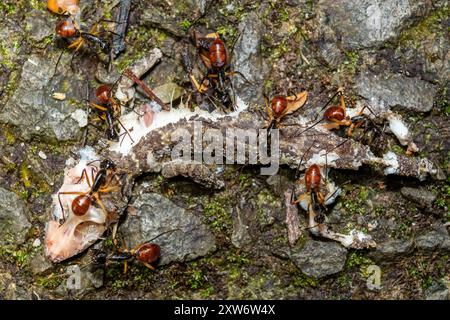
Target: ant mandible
99,185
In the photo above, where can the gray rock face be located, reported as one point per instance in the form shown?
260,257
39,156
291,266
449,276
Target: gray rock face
438,291
32,108
13,218
393,90
39,25
390,250
369,23
248,60
431,240
320,259
39,264
422,197
156,215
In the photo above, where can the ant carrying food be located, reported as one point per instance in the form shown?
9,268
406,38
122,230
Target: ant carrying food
314,200
99,184
213,53
109,111
281,106
70,7
337,117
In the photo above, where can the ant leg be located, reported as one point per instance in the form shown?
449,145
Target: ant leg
232,73
299,199
301,161
311,126
126,130
100,203
98,107
332,126
148,265
57,64
84,175
67,193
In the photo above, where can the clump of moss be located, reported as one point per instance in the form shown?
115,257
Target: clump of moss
217,211
51,281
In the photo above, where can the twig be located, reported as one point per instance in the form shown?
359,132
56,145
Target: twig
146,89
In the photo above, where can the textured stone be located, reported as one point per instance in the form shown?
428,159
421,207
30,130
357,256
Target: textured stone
394,90
320,259
13,218
155,215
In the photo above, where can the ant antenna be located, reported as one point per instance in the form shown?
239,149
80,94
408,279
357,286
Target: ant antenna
165,232
301,161
338,92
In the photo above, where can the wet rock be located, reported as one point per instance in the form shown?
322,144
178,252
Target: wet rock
420,196
394,90
392,249
13,218
32,108
369,23
186,237
431,240
248,59
319,259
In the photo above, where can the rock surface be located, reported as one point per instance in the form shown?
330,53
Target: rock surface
154,216
320,259
369,23
14,224
32,108
393,90
392,249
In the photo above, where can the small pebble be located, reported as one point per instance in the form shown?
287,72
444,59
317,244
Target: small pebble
36,243
81,117
59,96
42,155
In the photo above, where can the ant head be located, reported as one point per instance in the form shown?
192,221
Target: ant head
66,28
107,164
103,93
278,104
